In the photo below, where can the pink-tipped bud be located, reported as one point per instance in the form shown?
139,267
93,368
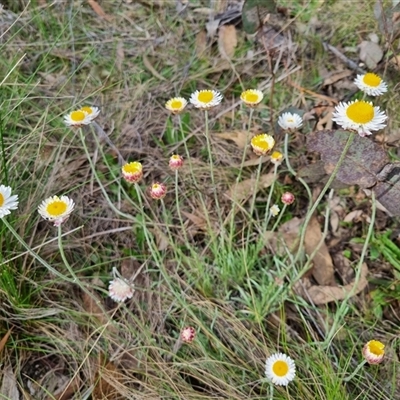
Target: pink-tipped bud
288,198
175,162
132,172
373,352
188,334
158,190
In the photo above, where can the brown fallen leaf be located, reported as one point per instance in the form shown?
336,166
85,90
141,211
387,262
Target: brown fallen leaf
9,386
199,221
256,161
239,137
149,66
120,55
106,377
325,294
3,341
287,240
201,43
243,190
323,270
227,41
98,10
336,76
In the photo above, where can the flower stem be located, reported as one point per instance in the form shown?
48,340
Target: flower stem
33,254
355,372
321,195
292,171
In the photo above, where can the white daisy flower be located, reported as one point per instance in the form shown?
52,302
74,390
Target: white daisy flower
176,105
360,116
371,84
252,97
290,122
274,210
7,202
280,369
205,99
77,118
56,209
92,112
119,290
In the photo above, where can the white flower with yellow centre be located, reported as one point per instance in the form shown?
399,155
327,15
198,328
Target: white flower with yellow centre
205,99
56,209
360,116
77,118
280,369
371,84
7,201
176,105
290,121
252,97
92,112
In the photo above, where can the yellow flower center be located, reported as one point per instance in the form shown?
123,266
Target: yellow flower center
87,109
176,104
251,97
1,200
56,208
280,368
132,168
372,80
156,186
264,142
77,116
205,96
276,155
376,348
360,112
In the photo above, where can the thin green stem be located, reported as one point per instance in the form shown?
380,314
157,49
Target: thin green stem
342,310
292,171
72,272
3,155
267,216
234,202
321,195
355,372
35,255
105,194
210,159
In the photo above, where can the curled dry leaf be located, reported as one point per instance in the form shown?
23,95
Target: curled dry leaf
322,271
243,190
201,43
327,294
371,53
227,41
239,137
287,240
